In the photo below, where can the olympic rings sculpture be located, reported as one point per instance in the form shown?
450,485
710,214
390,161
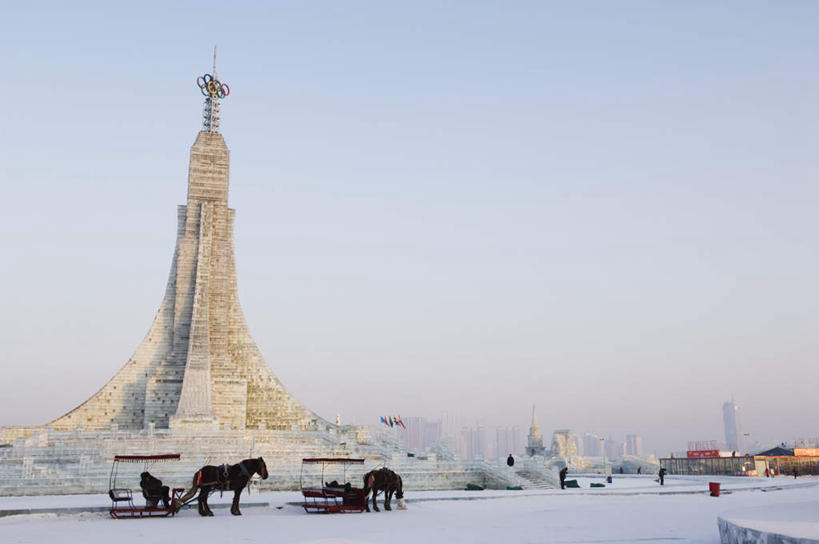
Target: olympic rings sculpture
212,87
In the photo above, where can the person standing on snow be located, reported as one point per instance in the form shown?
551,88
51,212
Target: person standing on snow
661,474
563,472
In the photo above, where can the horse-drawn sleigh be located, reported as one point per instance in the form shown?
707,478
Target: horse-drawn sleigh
331,497
122,499
206,481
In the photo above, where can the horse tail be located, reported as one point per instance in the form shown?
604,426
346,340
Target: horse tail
399,494
369,483
197,478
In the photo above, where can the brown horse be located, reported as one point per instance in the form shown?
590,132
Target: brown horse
225,477
383,479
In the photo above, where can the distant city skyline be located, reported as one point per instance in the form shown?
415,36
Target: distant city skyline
473,439
469,438
607,210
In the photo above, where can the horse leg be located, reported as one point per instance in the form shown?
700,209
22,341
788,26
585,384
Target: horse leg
201,502
387,497
234,509
375,498
204,493
210,512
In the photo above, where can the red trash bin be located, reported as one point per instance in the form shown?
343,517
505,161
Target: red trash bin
714,488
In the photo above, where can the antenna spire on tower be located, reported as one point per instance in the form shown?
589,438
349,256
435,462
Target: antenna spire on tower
213,90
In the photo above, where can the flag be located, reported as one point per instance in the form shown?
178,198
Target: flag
384,420
392,424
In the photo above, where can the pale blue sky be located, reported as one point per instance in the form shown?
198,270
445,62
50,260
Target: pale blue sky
605,208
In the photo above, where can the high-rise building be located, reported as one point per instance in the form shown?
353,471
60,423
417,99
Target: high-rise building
578,440
614,449
592,445
508,440
634,445
483,448
432,434
733,430
502,441
420,434
413,436
466,443
450,434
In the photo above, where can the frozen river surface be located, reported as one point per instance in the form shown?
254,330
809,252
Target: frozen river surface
629,510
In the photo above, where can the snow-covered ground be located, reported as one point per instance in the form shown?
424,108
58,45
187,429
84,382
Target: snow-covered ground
794,519
629,510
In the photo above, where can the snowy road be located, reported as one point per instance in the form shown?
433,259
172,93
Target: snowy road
508,516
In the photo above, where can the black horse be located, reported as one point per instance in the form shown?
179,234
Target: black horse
225,477
383,479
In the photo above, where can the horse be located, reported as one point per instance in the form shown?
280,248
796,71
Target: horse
224,477
385,480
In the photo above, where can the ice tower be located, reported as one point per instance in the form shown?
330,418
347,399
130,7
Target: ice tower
198,365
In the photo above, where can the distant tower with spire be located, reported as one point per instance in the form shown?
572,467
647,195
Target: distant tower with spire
534,445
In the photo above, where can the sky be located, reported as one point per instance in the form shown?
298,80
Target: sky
604,209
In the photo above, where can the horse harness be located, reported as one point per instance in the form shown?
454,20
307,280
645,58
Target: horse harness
223,476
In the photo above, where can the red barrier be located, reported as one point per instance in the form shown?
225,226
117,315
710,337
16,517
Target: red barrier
714,488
